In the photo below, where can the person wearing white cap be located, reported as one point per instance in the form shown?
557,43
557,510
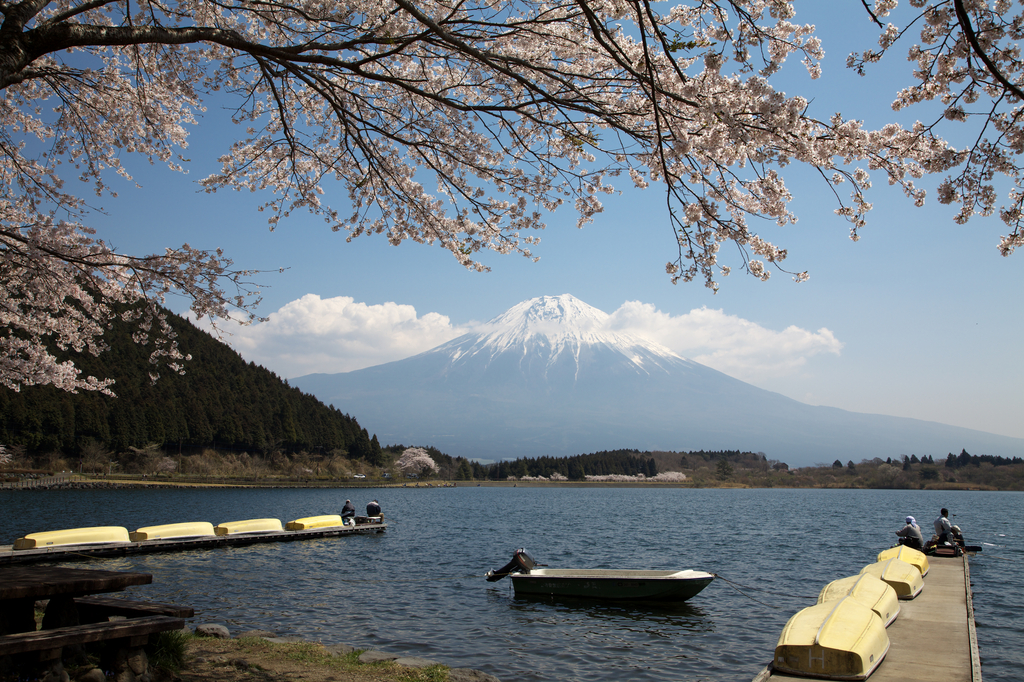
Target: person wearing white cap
910,534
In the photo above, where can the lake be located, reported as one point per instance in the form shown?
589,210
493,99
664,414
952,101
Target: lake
419,589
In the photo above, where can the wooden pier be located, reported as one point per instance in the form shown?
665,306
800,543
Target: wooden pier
933,638
9,556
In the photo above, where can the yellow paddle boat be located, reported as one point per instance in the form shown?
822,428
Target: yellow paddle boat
835,640
912,556
901,576
194,529
249,526
73,536
327,521
867,589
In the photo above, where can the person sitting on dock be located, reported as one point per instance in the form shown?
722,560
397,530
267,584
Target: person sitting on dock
957,536
943,529
348,511
910,534
373,509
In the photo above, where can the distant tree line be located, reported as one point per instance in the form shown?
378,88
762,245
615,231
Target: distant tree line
964,459
575,467
220,402
695,459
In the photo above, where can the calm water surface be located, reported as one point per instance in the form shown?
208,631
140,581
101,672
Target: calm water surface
419,587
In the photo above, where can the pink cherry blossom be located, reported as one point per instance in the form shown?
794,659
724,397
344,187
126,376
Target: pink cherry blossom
459,124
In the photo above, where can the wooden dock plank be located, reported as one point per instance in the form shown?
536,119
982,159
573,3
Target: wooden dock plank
932,639
92,609
55,638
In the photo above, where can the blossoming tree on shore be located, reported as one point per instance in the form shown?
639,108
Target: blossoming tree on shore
416,461
460,124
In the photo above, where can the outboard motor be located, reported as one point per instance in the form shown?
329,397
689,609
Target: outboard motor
521,562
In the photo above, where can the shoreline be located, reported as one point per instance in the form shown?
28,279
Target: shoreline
213,651
85,482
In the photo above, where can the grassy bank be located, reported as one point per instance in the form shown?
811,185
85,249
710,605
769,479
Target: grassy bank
250,658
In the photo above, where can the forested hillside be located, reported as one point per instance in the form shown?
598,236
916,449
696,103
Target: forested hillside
221,402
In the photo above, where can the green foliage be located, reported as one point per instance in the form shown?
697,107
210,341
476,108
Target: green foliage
576,467
169,649
965,459
221,402
877,473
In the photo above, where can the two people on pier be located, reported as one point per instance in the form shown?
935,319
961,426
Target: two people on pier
945,533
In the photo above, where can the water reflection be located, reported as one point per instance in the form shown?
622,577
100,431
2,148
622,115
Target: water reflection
655,619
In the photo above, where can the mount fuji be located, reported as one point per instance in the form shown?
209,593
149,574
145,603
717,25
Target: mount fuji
549,377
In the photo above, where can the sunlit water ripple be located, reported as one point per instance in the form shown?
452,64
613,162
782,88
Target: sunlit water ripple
419,587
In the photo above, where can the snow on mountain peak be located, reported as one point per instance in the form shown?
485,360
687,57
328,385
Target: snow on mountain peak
550,316
564,324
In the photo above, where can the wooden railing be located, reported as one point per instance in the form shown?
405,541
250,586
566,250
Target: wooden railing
36,481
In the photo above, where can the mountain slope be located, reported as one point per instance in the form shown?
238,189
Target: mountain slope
548,377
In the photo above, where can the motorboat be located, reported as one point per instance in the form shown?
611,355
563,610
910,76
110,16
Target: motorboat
173,531
600,583
914,557
869,590
903,577
249,526
834,640
310,522
73,536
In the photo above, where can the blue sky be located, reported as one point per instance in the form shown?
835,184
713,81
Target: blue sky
921,318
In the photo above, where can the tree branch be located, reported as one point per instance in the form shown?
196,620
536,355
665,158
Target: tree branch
965,25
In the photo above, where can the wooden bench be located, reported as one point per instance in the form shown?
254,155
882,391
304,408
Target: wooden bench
135,632
94,609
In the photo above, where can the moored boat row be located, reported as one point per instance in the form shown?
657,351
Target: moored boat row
99,541
843,637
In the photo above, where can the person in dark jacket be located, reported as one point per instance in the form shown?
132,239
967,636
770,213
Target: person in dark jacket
910,534
348,511
373,509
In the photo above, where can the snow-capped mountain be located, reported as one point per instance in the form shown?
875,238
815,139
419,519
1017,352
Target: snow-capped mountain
550,377
555,341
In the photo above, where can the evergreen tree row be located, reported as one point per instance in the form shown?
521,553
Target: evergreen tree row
576,467
965,459
221,402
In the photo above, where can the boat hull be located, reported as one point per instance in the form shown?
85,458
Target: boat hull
901,576
73,536
193,529
867,589
309,522
912,556
839,640
611,584
249,526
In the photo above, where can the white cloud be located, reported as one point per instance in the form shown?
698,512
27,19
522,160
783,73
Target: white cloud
314,335
730,344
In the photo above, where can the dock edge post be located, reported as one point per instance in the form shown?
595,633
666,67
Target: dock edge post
972,634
